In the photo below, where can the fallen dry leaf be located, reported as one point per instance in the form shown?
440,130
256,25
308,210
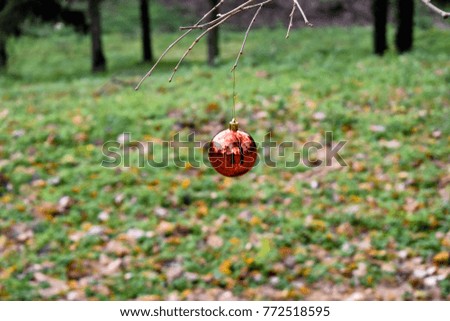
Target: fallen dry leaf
55,286
215,241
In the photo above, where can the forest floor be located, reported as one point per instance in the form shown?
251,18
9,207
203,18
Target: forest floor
375,229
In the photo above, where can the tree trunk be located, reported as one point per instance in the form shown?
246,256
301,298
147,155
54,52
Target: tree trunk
3,52
405,29
213,37
146,31
98,58
380,14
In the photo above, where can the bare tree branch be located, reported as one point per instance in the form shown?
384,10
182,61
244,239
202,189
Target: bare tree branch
241,52
303,13
441,12
291,20
221,18
194,43
149,73
247,5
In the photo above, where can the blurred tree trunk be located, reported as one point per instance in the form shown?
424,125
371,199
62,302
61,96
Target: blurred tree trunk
146,30
98,58
3,52
405,29
380,14
213,37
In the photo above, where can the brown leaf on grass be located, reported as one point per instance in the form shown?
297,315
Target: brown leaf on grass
49,210
112,267
78,269
38,183
262,74
76,295
444,188
212,107
4,113
165,228
411,205
173,272
94,230
361,271
210,295
103,216
388,267
21,232
3,241
391,144
101,289
319,116
364,244
345,229
392,293
119,198
161,211
266,292
377,128
135,234
46,210
202,209
356,296
214,241
430,281
117,248
55,286
420,273
64,204
77,120
149,298
225,267
441,258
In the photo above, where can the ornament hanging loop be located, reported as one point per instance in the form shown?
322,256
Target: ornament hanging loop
234,125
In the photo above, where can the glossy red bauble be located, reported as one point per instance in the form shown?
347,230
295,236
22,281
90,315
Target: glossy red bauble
232,152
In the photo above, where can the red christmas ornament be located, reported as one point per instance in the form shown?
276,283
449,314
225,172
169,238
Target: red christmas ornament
232,152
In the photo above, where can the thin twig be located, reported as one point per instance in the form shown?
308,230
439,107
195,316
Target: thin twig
241,52
303,13
291,20
221,16
194,43
221,20
441,12
243,7
149,73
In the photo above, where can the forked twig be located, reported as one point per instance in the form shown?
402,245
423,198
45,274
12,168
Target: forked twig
193,45
303,13
149,73
291,20
241,52
221,16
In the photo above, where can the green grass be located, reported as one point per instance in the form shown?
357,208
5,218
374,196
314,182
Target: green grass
55,117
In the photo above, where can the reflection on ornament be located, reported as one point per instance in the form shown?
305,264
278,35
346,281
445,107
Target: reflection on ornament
232,152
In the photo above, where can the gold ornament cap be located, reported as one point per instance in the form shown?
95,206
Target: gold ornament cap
234,125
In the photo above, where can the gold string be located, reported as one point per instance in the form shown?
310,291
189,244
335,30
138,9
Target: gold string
234,94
